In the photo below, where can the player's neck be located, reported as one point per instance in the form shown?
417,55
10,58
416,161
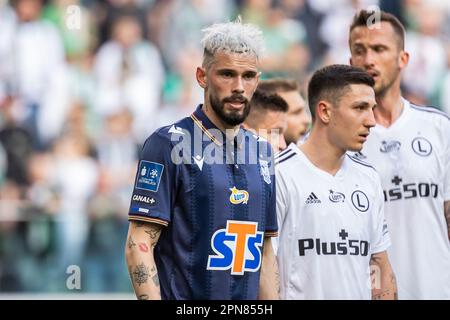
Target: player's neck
389,107
322,153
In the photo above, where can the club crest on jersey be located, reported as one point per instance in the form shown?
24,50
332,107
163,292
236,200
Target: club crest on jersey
265,170
360,201
238,196
237,247
389,146
421,146
336,196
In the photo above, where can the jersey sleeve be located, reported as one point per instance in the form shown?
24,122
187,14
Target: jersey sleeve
282,203
155,183
380,232
446,160
281,207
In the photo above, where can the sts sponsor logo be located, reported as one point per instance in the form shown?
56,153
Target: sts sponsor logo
237,247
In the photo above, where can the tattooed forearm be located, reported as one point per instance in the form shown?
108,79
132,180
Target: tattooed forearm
140,274
384,285
382,295
142,238
447,216
375,259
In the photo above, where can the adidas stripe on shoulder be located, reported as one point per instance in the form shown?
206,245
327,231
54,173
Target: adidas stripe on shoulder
430,110
285,155
359,161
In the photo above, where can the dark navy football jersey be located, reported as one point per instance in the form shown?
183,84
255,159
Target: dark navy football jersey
216,199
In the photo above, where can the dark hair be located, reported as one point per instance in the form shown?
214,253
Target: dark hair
278,85
365,18
263,100
330,83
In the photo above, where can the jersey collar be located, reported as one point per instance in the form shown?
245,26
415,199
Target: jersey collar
401,121
205,124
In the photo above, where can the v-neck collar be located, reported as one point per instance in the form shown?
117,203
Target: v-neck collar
339,174
401,120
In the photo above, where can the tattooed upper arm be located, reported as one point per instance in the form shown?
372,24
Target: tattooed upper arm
447,216
149,231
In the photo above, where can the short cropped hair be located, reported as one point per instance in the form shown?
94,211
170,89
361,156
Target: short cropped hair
262,100
331,83
364,18
231,37
261,103
278,85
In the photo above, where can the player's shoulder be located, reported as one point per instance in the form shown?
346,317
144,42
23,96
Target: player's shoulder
287,156
432,113
253,137
263,146
172,133
358,164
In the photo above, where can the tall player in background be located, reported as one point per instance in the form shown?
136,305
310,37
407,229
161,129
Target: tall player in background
329,205
410,148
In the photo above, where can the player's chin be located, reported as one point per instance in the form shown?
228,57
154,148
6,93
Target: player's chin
356,147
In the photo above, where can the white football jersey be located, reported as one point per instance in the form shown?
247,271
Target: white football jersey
412,157
329,226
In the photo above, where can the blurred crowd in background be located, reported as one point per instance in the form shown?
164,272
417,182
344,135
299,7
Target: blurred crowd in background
84,82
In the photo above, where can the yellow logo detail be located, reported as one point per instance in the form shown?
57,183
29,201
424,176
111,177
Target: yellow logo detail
238,196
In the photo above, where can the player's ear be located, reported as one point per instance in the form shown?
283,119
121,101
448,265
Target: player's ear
403,59
201,77
323,111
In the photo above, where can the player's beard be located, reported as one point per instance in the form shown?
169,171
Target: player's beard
384,85
232,118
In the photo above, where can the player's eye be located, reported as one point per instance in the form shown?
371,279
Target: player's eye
249,76
358,51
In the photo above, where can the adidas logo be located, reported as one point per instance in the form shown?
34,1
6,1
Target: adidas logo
312,199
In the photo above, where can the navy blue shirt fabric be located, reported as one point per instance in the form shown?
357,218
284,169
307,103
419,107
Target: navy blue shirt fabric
215,214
